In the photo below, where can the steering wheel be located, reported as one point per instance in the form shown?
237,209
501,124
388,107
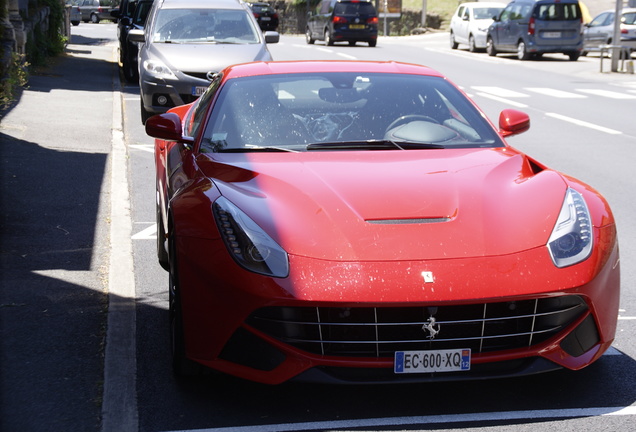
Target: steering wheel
409,118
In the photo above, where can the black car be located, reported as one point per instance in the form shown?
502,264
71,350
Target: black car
265,15
131,14
343,21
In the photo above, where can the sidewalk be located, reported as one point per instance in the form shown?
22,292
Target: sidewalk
55,148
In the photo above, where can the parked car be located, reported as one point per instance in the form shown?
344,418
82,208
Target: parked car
364,222
265,15
600,31
75,14
130,15
96,10
531,28
343,21
469,24
187,42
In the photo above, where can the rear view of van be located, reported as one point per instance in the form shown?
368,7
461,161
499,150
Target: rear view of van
531,28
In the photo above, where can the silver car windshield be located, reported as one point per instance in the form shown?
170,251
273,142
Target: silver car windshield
344,111
204,26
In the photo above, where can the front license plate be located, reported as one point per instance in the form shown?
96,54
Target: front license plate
198,90
552,35
432,361
356,26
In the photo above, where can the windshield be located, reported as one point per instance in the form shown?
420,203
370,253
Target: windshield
204,25
344,111
487,13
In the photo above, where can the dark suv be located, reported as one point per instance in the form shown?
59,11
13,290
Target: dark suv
131,14
531,28
343,20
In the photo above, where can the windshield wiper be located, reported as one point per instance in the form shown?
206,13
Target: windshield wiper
372,145
255,149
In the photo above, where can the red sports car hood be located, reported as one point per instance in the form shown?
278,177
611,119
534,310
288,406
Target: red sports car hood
394,205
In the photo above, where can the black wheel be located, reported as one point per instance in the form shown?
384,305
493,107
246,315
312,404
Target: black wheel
522,52
145,115
471,43
75,23
328,39
490,47
574,56
94,19
181,364
129,70
373,43
453,43
308,37
352,43
162,243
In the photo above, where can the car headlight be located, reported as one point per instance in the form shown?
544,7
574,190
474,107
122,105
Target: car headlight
158,69
571,239
248,244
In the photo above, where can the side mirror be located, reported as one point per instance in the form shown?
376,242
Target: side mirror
513,122
125,21
271,37
167,127
136,35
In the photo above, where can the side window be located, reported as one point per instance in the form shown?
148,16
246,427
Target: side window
460,11
506,14
325,7
599,20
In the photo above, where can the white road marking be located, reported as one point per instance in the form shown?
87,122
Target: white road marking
502,100
149,233
584,124
607,93
150,148
376,423
555,93
501,92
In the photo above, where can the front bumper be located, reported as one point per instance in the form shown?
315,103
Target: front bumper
159,95
218,303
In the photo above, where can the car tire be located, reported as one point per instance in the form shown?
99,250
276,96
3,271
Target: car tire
471,44
75,23
94,19
129,70
574,56
308,37
453,42
490,47
162,243
328,39
181,365
352,43
522,52
373,43
145,115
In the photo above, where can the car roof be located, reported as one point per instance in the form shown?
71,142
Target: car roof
321,66
201,4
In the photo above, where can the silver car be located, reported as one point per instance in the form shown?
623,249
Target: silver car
600,30
186,42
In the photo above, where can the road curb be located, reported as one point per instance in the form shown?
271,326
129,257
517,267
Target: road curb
119,404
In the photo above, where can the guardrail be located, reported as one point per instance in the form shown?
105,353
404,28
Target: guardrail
624,53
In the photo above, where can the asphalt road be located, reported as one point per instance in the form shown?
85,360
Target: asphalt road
59,211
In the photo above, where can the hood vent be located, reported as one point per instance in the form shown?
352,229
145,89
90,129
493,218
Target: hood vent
409,221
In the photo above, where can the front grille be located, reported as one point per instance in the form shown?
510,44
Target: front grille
380,331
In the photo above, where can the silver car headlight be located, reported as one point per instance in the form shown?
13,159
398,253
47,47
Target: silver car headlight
571,238
158,69
250,246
